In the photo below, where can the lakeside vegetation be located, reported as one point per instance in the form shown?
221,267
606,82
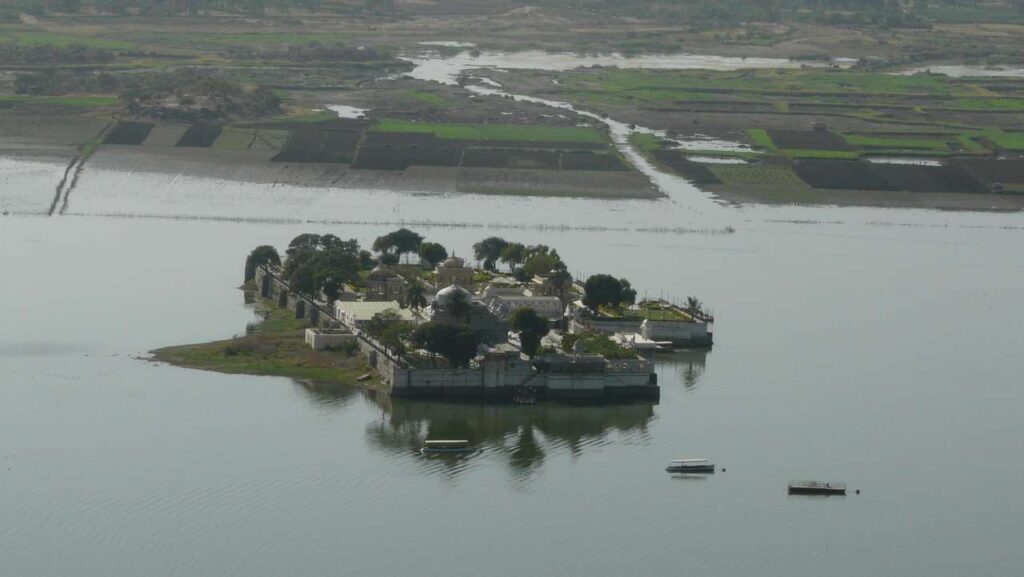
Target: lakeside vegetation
274,346
513,132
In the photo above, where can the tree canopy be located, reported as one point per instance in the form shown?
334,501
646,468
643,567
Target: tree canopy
489,251
432,253
602,289
401,241
456,343
531,328
321,262
261,255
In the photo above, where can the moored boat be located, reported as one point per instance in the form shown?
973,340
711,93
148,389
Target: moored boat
690,466
816,488
446,446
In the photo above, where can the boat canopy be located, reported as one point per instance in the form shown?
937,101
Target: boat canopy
691,461
446,442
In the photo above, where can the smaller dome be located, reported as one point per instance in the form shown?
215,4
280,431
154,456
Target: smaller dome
379,272
453,262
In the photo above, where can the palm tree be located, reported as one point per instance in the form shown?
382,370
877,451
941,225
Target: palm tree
694,307
414,297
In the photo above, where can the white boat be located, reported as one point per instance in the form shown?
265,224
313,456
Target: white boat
446,446
690,466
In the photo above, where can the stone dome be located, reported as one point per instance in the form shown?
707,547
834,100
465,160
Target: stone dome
379,272
446,296
453,262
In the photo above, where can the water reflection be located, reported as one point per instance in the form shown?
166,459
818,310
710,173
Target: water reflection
686,366
522,436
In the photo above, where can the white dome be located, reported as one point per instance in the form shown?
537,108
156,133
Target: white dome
445,296
453,262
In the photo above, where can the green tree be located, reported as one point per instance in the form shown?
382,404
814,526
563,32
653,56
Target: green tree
489,250
513,255
694,307
531,328
260,256
401,241
414,297
602,289
432,253
456,343
628,292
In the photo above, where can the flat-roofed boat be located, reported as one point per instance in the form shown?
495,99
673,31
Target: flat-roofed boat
690,466
446,446
816,488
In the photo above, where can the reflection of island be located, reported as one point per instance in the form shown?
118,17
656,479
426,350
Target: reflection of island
685,365
523,435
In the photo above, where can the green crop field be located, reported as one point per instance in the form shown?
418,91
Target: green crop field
761,138
36,38
79,101
520,132
1007,140
1008,104
896,143
428,97
756,174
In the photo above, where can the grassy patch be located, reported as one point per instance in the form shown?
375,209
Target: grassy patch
428,97
756,174
761,138
1007,140
832,154
312,116
1007,104
77,101
276,348
516,132
896,143
645,142
37,38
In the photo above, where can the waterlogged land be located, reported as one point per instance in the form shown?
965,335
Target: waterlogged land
275,346
434,118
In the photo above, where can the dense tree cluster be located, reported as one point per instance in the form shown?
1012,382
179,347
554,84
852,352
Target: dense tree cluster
397,243
322,263
312,52
260,256
186,94
523,261
191,94
606,290
456,343
531,328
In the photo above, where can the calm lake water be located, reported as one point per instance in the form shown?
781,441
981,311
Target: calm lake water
875,347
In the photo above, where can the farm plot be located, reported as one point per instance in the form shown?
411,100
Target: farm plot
591,161
496,132
757,174
235,138
269,139
200,135
841,175
915,178
501,158
398,151
315,145
165,135
992,171
129,133
808,140
692,171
